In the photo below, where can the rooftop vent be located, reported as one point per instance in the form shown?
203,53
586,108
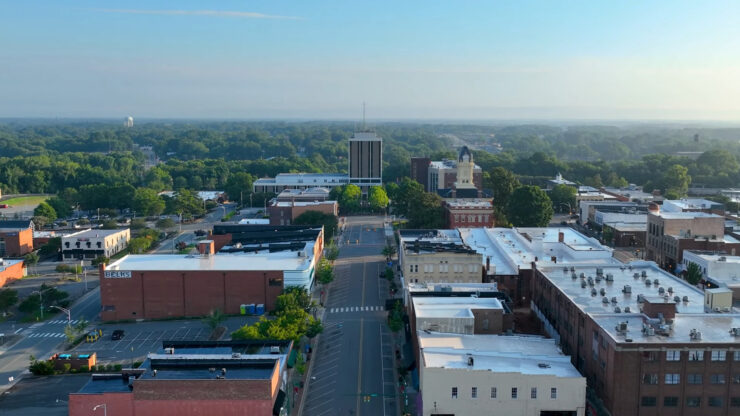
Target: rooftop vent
605,300
599,271
661,290
236,355
593,292
621,327
543,365
598,278
695,335
627,289
648,283
648,330
154,373
169,350
614,299
609,277
617,309
685,299
573,276
470,361
735,332
602,291
643,273
670,289
636,275
275,349
656,282
677,299
583,284
626,309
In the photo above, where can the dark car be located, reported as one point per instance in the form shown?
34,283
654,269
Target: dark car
117,334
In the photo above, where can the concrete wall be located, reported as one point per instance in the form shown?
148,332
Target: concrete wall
437,383
164,294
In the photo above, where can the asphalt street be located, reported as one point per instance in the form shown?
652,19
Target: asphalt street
353,365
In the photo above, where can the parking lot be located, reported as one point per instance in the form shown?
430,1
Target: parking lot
142,338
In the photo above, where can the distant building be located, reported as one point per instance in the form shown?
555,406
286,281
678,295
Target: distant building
468,213
441,177
11,270
693,205
16,238
285,212
93,243
718,269
420,171
300,181
438,256
190,378
303,195
129,122
365,159
559,180
471,375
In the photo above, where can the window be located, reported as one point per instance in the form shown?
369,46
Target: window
514,392
696,355
673,378
673,355
650,356
694,379
717,379
737,355
493,392
474,392
715,401
411,268
719,355
736,379
454,392
693,402
533,393
670,401
651,378
554,393
416,268
648,401
444,268
734,401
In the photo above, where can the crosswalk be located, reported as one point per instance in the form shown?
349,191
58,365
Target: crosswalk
62,321
356,309
46,335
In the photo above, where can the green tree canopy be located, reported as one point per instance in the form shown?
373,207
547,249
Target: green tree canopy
407,195
324,272
529,206
239,186
45,210
426,212
676,181
563,198
329,222
62,208
503,183
146,202
8,298
377,198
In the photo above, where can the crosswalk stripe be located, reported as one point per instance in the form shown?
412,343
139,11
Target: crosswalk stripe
74,321
60,335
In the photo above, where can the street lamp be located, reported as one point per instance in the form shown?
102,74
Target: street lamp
41,300
67,311
105,409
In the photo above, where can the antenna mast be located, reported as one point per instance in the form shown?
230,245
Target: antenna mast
364,127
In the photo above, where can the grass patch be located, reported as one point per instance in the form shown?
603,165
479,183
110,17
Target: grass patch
26,200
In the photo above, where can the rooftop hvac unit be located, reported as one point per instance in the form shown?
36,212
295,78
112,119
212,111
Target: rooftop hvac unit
735,332
599,271
602,291
573,276
617,309
583,284
614,299
593,292
636,275
648,330
677,299
695,335
661,290
609,277
656,282
670,289
604,300
626,309
643,273
685,299
627,289
236,355
274,349
169,350
648,283
621,327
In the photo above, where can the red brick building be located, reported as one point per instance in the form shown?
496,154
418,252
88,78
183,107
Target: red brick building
16,238
468,213
203,381
284,213
161,286
10,270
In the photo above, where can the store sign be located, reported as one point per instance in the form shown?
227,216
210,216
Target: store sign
118,274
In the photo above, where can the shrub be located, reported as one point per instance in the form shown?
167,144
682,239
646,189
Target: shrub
84,369
67,367
117,367
41,368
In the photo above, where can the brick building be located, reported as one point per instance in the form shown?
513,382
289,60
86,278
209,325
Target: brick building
308,195
468,213
643,338
11,270
285,212
438,256
16,238
191,379
158,286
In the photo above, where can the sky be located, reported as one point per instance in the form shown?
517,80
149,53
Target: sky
227,59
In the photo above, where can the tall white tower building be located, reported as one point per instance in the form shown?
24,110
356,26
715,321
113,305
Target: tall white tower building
129,122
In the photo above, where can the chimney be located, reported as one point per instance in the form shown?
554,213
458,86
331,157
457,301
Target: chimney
206,247
561,237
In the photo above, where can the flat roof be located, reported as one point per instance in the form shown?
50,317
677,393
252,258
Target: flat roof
468,203
612,290
714,328
198,366
98,232
452,307
531,355
302,203
452,287
678,215
715,257
691,203
316,190
281,260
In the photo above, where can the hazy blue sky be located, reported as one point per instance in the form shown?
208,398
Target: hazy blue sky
406,59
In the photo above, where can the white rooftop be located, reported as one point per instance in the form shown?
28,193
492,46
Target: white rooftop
281,260
678,205
305,179
452,287
715,328
255,221
433,236
677,215
514,249
302,203
497,353
612,290
90,233
452,307
5,263
469,203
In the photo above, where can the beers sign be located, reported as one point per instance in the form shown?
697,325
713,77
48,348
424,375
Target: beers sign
117,274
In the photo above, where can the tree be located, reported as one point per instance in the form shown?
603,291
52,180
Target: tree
377,198
165,223
45,210
31,258
395,318
8,298
41,367
139,245
348,196
329,221
332,251
187,203
314,328
138,224
693,273
389,251
239,186
426,212
62,208
324,272
529,206
147,202
110,225
294,297
100,260
51,247
214,319
503,183
409,192
563,198
49,295
676,180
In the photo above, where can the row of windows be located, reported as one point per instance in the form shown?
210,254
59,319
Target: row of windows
514,393
471,218
693,401
443,268
694,378
694,355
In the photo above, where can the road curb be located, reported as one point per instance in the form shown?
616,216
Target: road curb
310,368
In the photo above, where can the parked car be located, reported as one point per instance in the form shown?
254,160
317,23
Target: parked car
117,334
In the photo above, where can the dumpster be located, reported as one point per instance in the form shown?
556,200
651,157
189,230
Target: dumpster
251,310
260,309
243,309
